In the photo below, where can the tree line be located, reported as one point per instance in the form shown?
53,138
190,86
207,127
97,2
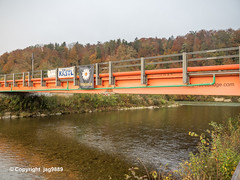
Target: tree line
53,55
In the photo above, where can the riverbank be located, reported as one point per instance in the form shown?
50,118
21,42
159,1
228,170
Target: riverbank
20,106
203,98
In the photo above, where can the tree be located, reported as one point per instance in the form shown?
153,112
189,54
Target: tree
125,52
136,44
73,56
98,53
160,46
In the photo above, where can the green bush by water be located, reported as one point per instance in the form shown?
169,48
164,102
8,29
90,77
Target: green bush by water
77,102
217,158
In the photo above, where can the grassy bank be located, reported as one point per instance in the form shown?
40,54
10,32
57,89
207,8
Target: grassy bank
77,103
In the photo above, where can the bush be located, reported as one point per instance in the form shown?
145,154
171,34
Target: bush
218,156
76,103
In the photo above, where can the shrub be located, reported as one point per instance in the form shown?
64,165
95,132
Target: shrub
75,103
218,156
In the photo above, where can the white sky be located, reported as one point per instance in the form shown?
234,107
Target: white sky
29,22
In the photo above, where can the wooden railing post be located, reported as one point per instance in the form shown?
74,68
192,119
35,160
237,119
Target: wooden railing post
23,79
43,83
98,80
111,78
184,66
14,80
75,81
30,84
5,81
57,82
143,75
239,60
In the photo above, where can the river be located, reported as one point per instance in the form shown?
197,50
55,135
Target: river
104,145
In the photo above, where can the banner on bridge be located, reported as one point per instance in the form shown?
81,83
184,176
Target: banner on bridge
86,76
51,73
66,72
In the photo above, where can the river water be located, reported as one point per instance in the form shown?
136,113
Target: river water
104,145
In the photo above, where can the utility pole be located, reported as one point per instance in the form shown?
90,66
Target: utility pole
32,64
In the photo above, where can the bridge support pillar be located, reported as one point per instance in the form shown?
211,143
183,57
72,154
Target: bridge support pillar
43,83
57,82
111,78
30,84
184,66
75,81
98,79
5,81
14,80
143,75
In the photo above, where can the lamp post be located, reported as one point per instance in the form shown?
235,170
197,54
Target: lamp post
32,64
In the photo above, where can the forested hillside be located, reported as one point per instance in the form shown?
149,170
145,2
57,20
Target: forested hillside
50,56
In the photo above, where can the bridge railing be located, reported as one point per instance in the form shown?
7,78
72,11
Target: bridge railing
1,77
36,74
163,61
214,57
222,56
180,60
148,63
18,76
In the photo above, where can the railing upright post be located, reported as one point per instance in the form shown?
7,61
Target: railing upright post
143,75
111,78
5,81
57,82
30,84
42,79
98,81
184,66
239,60
14,80
23,79
75,81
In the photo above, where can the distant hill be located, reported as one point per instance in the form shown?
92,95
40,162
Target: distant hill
50,56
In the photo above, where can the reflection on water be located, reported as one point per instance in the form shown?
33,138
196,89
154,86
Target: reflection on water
105,144
11,158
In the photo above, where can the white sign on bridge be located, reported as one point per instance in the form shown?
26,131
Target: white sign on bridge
51,73
66,72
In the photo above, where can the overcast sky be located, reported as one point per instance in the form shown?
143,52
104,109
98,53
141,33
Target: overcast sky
29,22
